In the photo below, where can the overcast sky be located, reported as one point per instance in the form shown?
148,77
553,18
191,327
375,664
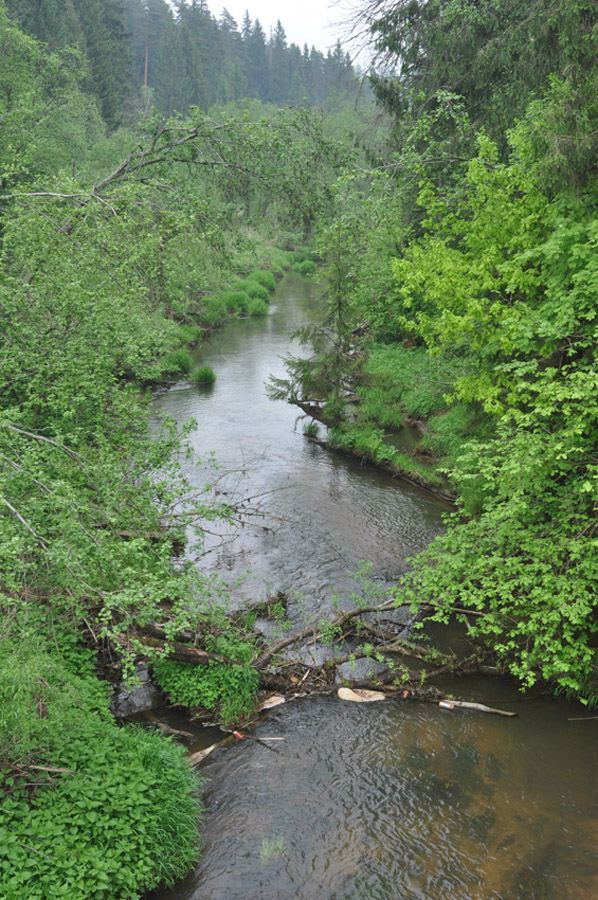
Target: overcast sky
304,21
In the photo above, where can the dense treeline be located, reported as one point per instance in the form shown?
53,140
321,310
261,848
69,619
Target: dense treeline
179,55
463,289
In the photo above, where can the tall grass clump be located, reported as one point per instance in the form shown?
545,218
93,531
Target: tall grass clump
265,278
254,289
257,307
204,375
176,362
236,301
214,311
306,267
188,334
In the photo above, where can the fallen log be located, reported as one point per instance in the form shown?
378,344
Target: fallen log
262,661
183,652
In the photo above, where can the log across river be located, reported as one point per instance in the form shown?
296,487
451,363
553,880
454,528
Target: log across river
385,800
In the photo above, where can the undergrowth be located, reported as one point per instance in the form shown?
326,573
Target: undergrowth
88,809
227,689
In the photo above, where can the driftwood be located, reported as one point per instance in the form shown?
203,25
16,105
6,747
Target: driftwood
167,729
262,661
286,678
449,703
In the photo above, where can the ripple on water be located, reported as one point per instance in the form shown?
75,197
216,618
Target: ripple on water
385,801
393,801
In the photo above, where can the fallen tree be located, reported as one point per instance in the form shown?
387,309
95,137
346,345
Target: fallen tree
366,648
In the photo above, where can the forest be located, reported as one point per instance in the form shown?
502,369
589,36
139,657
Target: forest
159,171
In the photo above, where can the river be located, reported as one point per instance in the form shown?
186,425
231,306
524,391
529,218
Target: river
389,801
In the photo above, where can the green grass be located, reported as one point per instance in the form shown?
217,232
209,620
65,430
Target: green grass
257,307
203,375
305,267
214,312
188,334
254,289
412,378
177,362
265,278
236,301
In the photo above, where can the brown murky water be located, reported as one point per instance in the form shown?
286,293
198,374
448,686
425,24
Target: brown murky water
389,801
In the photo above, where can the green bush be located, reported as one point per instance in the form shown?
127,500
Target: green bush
306,267
177,362
203,375
188,334
257,307
265,278
228,689
110,812
254,290
236,301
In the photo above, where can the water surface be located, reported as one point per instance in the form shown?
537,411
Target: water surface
393,800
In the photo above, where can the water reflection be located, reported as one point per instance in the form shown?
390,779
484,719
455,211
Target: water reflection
315,514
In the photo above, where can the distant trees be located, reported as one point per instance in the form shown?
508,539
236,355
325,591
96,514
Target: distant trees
97,28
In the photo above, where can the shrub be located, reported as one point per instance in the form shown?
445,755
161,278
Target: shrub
111,813
257,307
307,267
254,289
203,375
236,301
188,334
177,362
265,278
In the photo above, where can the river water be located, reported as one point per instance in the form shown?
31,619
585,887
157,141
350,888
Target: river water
392,800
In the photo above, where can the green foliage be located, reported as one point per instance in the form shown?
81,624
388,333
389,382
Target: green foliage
105,243
515,281
257,307
254,290
189,334
109,811
265,278
203,375
305,267
236,301
213,311
177,362
228,689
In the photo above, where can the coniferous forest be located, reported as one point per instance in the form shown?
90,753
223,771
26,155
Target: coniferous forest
160,169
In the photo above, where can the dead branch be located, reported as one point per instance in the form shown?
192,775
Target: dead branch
262,661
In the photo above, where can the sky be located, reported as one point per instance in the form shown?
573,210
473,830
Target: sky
304,21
